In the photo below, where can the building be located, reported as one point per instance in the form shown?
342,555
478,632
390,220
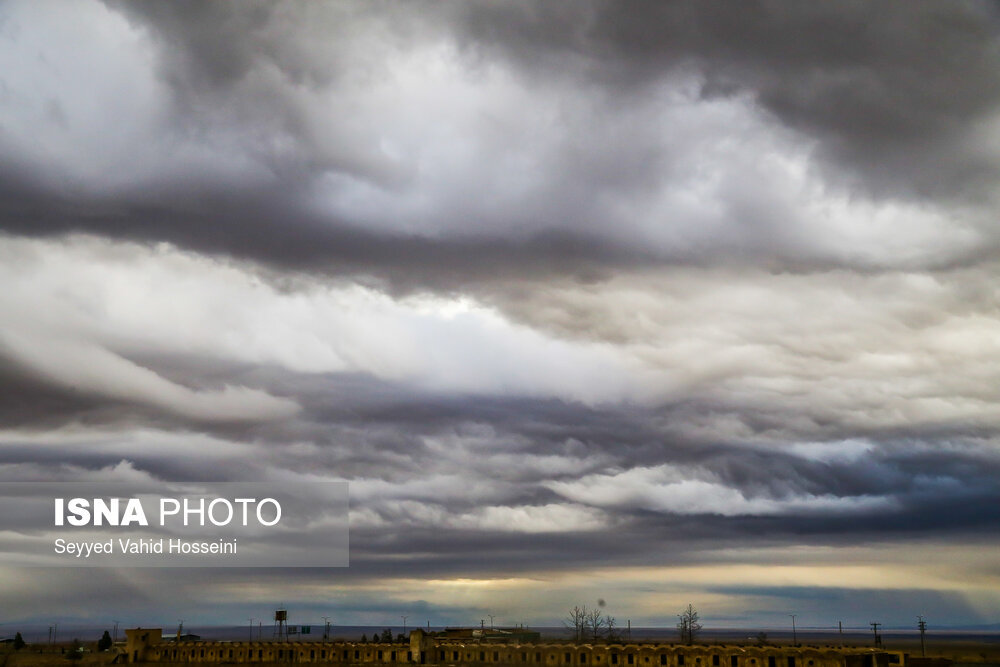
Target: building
148,646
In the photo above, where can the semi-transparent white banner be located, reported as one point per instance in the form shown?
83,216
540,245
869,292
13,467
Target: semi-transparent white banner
174,524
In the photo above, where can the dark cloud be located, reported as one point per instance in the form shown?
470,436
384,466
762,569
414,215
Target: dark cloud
420,462
890,90
560,288
859,78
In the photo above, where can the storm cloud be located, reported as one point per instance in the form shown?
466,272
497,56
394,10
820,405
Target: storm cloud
688,301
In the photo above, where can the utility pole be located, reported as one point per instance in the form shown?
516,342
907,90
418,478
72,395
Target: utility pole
114,639
922,626
875,627
840,627
404,624
628,633
252,619
795,639
491,620
482,624
326,628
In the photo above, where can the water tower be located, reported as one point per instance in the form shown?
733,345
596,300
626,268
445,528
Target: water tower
281,624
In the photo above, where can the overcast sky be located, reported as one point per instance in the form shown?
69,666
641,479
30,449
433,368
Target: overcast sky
652,302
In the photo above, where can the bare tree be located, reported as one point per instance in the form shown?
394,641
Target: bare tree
688,626
577,621
613,633
594,624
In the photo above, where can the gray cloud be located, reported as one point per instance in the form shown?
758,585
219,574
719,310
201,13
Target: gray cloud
539,279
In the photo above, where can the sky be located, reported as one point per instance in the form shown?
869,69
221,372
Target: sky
655,303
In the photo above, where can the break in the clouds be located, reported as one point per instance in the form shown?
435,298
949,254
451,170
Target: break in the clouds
686,302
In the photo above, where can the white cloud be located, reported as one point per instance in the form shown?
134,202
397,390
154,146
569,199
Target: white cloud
667,488
77,306
549,518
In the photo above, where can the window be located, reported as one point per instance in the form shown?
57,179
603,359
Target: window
482,656
230,653
663,658
791,661
392,656
631,659
454,655
680,661
524,656
357,654
496,656
715,661
734,661
380,654
538,657
614,658
770,661
583,658
567,658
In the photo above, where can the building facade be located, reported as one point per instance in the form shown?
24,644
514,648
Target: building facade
149,646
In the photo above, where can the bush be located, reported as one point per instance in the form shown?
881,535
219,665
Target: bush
75,650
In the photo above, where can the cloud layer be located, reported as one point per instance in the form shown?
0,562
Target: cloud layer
685,301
